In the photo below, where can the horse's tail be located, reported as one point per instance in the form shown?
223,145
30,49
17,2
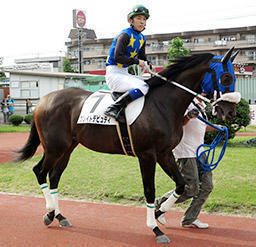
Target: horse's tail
31,146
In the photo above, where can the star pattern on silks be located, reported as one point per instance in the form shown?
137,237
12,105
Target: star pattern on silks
141,42
134,53
132,40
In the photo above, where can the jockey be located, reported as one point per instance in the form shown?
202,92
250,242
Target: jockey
127,48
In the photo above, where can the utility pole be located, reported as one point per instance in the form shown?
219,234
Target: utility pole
79,50
79,21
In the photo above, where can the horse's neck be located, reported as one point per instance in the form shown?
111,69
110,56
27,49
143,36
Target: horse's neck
173,100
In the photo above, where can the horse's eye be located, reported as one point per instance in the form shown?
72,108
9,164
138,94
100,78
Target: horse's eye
226,79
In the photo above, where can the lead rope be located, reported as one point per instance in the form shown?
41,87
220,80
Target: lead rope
211,164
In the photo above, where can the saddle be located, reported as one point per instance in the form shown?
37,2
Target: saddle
93,113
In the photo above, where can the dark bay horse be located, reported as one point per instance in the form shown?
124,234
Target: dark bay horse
155,133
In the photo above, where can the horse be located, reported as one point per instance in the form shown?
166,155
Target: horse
156,131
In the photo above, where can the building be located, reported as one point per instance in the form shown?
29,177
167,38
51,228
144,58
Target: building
35,84
47,64
216,41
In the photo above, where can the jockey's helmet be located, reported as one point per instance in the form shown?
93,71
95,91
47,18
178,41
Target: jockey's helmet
138,10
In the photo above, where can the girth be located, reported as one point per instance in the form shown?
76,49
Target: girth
124,131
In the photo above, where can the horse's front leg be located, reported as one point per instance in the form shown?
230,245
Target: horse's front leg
147,167
167,162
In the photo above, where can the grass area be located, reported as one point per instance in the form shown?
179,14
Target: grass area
26,127
248,129
11,128
114,178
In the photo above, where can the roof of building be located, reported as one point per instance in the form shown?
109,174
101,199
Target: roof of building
86,34
39,59
49,74
165,36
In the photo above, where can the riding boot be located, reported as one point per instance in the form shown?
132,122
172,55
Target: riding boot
116,109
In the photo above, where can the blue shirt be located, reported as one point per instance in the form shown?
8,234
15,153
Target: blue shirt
11,108
136,42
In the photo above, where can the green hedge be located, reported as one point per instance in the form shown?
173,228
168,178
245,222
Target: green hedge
16,119
28,118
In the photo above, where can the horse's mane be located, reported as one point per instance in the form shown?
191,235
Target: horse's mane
183,63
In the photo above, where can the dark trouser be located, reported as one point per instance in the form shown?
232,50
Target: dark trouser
198,186
6,117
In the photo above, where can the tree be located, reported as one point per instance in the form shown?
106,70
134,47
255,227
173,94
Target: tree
2,74
242,119
177,49
67,66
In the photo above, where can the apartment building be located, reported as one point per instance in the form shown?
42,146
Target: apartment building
47,64
216,41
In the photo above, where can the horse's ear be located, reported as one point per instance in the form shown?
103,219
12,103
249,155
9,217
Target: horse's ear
234,56
227,56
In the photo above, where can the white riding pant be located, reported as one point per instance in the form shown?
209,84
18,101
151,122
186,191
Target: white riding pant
119,80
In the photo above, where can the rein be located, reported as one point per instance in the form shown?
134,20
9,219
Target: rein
176,84
210,149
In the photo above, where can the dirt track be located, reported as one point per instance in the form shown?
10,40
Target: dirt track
102,225
111,225
12,141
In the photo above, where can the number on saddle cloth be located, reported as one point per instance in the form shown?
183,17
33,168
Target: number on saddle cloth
209,164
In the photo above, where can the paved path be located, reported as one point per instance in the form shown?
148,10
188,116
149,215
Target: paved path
104,225
12,141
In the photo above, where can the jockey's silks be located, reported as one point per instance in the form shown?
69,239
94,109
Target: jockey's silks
136,42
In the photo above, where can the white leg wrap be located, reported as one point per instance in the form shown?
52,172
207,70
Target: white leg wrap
49,202
168,204
151,221
54,195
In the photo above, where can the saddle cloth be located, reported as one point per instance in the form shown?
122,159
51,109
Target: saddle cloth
95,105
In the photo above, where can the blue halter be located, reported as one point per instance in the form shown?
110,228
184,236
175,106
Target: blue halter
210,149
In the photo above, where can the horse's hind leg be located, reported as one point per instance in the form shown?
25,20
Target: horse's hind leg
147,167
54,177
53,157
41,178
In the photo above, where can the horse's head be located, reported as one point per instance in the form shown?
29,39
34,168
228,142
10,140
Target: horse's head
219,85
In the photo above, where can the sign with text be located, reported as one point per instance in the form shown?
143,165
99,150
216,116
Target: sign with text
79,18
243,70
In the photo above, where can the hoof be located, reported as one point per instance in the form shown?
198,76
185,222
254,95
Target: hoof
163,239
65,223
47,220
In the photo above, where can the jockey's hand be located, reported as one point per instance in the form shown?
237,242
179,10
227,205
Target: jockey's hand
153,68
193,113
141,64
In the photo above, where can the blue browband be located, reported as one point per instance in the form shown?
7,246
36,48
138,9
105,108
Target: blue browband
210,165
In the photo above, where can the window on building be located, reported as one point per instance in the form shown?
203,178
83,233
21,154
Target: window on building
55,64
212,39
29,89
229,38
187,40
152,59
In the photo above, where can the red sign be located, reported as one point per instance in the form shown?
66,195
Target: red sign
80,19
243,70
